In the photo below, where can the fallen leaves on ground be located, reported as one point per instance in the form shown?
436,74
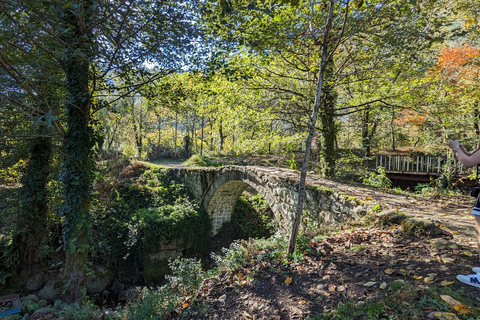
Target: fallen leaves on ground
362,264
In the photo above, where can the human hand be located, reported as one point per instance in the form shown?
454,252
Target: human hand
454,145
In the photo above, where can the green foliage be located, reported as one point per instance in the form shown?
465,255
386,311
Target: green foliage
12,175
183,220
252,216
239,251
81,312
377,179
292,163
187,275
144,210
425,189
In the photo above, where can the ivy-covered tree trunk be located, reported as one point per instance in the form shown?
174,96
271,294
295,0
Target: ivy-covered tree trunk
328,128
367,132
77,164
31,230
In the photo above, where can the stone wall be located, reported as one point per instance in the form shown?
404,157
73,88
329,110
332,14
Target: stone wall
218,189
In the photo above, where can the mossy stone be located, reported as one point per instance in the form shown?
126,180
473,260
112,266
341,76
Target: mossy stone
443,244
391,217
423,226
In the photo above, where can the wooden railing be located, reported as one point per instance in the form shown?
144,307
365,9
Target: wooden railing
419,164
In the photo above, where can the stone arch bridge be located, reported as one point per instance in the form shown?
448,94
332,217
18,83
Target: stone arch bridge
218,189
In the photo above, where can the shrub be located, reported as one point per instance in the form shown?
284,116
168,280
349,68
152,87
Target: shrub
187,276
252,216
183,220
142,211
377,179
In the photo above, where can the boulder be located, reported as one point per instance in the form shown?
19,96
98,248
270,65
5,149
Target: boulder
43,303
423,226
30,297
390,217
442,244
98,281
36,282
52,290
42,312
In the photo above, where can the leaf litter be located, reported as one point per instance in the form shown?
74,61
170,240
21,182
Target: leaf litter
361,265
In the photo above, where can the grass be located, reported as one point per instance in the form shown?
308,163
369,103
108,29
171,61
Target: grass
201,161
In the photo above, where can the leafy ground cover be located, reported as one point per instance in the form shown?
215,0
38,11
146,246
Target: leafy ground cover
364,273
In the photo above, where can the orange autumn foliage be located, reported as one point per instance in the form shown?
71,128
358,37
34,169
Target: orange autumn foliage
459,66
411,117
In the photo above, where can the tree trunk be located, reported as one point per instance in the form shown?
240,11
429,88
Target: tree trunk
201,142
392,129
32,219
176,117
222,137
365,134
311,132
329,130
78,163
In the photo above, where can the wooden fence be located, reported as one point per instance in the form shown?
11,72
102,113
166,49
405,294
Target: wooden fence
419,164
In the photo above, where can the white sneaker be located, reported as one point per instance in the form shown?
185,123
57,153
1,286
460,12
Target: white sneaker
476,269
471,279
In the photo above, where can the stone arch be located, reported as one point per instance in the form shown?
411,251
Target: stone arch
222,195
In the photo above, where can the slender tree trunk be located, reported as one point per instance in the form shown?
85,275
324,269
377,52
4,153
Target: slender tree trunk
392,129
78,162
159,132
220,132
176,117
365,135
201,143
311,132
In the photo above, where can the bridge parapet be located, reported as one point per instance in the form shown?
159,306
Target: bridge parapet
218,189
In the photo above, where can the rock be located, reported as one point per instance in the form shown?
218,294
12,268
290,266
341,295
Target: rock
36,282
30,307
42,312
98,281
30,297
43,303
108,313
52,290
424,226
442,244
390,217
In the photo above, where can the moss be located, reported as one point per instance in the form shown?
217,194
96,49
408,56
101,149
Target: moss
202,161
349,198
320,189
421,226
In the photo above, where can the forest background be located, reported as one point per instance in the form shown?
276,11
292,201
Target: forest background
81,80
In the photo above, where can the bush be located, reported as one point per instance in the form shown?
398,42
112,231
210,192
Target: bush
187,276
141,211
183,220
377,179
